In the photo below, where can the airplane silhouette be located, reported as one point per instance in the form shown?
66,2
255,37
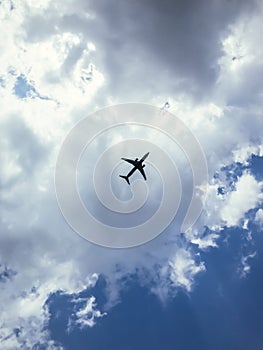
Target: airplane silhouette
137,166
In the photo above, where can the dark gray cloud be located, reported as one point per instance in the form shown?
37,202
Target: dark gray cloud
146,47
161,45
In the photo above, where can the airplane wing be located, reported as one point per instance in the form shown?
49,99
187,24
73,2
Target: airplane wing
144,157
142,172
131,161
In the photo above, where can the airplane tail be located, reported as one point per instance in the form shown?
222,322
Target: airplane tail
125,177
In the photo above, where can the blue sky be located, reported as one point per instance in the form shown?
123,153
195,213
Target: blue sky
63,62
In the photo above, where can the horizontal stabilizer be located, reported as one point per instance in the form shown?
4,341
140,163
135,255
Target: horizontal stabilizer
125,177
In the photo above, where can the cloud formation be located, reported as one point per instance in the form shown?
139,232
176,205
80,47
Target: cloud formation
79,56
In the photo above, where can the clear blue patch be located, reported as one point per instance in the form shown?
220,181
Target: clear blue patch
24,89
256,165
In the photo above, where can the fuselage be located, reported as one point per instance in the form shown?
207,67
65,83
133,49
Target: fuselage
138,166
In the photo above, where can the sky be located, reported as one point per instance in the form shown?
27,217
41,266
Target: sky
71,62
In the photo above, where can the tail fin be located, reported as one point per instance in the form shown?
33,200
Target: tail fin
125,177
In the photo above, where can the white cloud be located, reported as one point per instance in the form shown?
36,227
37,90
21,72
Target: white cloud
86,316
246,196
184,269
245,268
245,224
243,154
180,272
206,241
259,217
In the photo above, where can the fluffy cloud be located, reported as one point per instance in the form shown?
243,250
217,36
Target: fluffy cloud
184,268
259,217
247,196
87,315
77,56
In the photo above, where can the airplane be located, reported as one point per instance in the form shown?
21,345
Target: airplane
137,166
